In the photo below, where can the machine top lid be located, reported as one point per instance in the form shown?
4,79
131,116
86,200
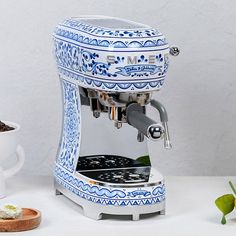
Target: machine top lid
110,22
111,27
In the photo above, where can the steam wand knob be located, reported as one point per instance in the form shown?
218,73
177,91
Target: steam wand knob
156,131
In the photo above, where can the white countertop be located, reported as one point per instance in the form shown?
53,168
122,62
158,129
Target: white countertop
190,210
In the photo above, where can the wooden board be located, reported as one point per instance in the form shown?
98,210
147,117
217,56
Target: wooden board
30,219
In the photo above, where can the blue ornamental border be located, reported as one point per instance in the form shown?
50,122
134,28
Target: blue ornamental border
105,196
93,83
108,43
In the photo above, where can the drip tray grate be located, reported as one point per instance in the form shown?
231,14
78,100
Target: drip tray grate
113,169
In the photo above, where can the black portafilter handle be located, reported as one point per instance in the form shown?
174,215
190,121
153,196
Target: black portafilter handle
136,117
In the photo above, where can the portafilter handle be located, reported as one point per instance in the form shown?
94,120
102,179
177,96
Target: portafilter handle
135,116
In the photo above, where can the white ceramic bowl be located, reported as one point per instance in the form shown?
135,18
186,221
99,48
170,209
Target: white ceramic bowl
9,145
8,141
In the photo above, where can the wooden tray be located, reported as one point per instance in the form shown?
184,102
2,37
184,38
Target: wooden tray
30,219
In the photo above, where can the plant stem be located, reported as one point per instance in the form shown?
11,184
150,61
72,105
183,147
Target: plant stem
232,187
223,221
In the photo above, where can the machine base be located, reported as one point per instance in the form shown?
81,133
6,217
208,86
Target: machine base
95,211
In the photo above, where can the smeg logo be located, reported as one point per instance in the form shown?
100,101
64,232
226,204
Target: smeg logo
151,59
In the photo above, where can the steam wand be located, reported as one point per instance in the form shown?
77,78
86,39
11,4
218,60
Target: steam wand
164,120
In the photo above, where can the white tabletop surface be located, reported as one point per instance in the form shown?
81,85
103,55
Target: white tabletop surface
190,210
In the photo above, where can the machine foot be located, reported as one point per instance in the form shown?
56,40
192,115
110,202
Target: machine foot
57,192
135,217
163,212
91,213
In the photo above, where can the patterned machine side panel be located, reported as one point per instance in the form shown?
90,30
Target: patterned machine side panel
70,139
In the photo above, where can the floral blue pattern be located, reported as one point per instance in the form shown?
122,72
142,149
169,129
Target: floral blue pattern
79,60
69,144
74,61
106,196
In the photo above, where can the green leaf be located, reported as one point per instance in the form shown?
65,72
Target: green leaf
144,160
225,204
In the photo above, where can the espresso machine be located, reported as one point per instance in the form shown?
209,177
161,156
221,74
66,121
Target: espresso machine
109,69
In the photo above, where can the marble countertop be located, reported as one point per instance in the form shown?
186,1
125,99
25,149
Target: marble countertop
190,210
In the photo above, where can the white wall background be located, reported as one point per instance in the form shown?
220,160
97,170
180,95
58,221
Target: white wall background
199,93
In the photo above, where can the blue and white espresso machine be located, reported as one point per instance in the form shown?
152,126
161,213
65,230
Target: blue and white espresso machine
108,69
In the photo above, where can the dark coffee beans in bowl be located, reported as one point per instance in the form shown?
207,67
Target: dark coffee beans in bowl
4,127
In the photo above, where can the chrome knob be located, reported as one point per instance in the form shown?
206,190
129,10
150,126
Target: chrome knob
174,51
156,131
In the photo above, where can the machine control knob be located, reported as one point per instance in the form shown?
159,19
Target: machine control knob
156,131
174,51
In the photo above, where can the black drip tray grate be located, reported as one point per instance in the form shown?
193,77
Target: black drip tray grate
106,162
113,169
127,175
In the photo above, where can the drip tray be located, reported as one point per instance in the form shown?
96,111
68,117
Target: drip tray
113,169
